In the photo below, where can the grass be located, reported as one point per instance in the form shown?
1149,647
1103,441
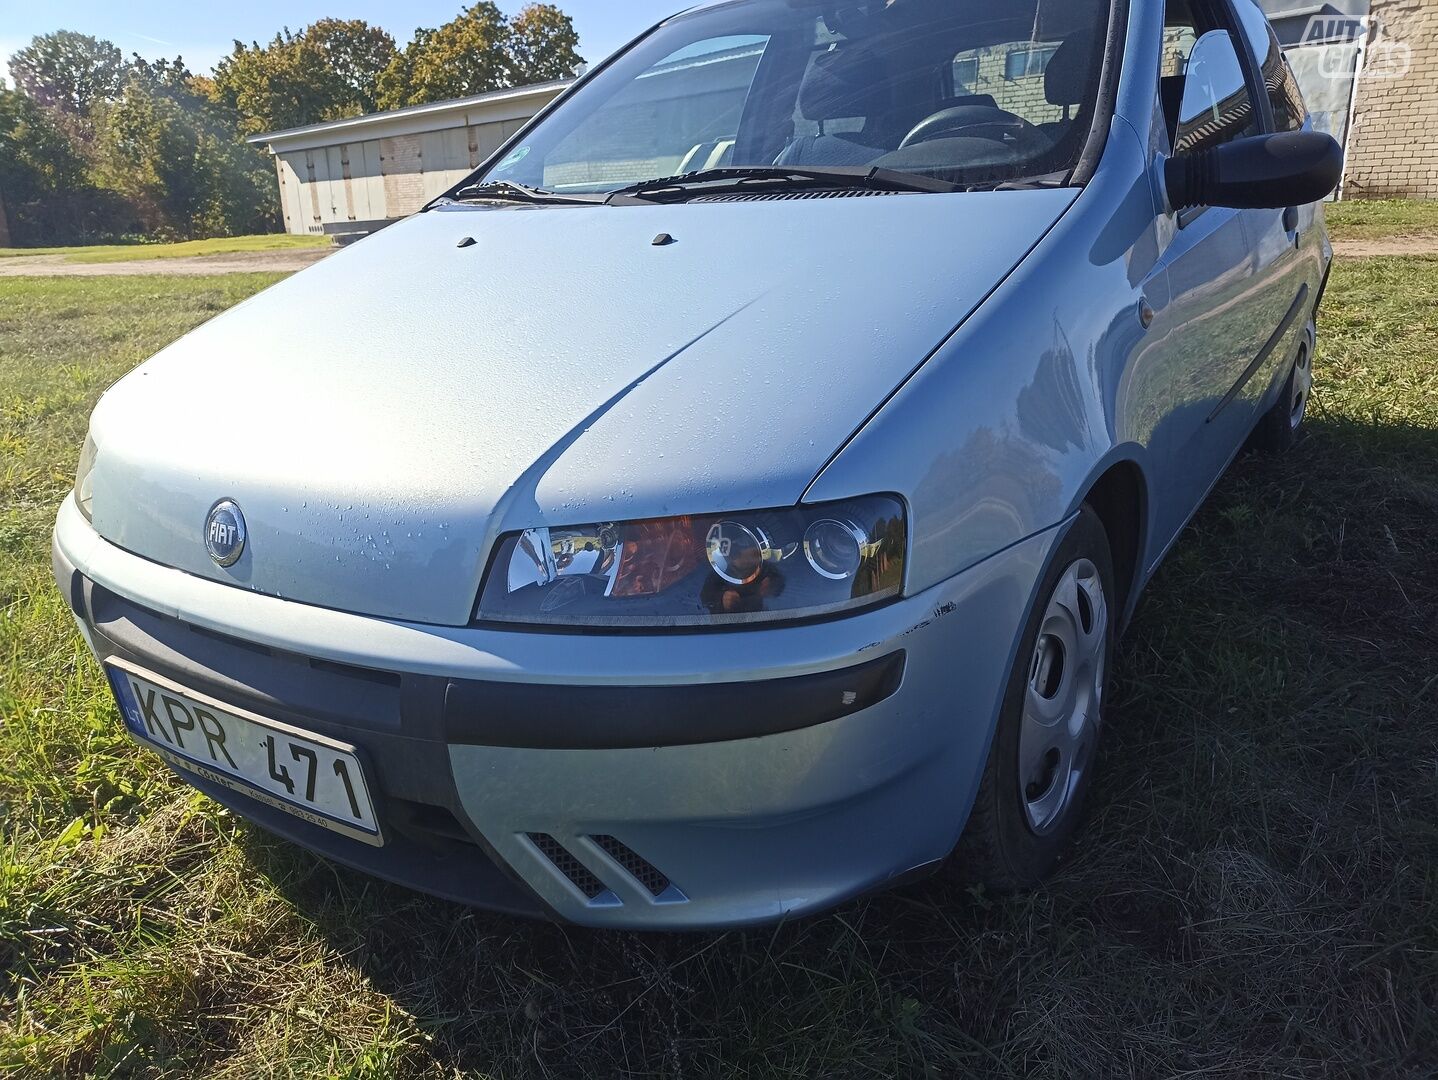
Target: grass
1381,219
224,245
1253,894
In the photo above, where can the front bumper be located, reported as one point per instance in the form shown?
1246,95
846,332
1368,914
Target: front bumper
642,781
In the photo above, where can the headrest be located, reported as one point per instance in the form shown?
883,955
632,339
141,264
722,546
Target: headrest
845,81
1073,69
1058,19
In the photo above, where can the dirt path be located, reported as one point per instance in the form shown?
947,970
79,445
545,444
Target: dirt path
1416,244
244,262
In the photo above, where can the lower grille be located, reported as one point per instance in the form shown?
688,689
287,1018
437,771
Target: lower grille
638,867
567,864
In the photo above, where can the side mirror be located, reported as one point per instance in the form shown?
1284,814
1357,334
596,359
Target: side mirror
1261,172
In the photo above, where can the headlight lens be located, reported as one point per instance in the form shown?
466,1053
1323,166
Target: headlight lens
84,482
755,566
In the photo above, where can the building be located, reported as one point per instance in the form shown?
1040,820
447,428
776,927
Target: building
1322,44
357,174
1392,149
1369,74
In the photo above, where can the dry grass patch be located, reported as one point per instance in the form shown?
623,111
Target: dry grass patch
1253,894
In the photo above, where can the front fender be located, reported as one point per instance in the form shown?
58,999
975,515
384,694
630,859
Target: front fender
998,436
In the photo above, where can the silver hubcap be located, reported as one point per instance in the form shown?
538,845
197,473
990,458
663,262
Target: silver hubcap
1302,385
1061,699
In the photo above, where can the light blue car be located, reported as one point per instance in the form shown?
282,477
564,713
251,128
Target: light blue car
724,502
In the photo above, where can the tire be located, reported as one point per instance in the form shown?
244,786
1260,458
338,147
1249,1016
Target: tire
1018,828
1278,428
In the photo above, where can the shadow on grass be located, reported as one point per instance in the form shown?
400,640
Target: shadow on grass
1252,893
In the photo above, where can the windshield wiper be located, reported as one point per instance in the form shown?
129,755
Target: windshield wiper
780,177
509,191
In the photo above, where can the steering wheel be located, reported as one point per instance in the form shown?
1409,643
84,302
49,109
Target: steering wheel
972,121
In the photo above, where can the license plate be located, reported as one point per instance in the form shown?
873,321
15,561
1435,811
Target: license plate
308,775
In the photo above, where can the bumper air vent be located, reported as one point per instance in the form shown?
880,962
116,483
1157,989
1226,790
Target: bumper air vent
578,874
432,824
638,867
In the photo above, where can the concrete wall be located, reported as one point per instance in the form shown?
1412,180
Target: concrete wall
374,179
1393,142
387,165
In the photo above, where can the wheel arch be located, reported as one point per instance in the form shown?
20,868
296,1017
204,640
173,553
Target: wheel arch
1119,495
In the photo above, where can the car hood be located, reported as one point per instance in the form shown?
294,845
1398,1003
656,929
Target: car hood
382,417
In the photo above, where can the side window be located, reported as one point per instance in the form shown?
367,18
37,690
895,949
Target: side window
1179,37
1289,112
1025,63
965,72
1215,107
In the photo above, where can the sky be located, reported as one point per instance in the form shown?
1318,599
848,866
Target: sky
202,31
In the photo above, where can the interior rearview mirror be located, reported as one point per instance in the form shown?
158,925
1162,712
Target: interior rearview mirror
1261,172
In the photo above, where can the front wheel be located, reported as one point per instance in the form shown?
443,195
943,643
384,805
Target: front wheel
1046,743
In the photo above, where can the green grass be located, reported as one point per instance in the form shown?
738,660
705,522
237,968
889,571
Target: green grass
1253,894
1380,219
224,245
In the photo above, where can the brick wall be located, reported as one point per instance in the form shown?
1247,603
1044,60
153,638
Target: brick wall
401,163
1393,146
1022,96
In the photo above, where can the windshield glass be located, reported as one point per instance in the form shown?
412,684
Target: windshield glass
968,91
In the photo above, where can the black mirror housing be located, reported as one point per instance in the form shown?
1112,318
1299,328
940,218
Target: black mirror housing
1261,172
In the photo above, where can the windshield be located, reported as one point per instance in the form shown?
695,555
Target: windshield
968,91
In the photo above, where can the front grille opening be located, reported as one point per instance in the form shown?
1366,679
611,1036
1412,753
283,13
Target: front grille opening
583,879
233,642
350,671
636,865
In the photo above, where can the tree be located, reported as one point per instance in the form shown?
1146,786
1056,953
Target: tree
94,147
480,50
170,75
542,45
355,53
48,197
68,71
35,155
329,70
179,161
467,55
393,88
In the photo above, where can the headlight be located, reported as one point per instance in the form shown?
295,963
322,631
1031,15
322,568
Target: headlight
84,483
718,569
